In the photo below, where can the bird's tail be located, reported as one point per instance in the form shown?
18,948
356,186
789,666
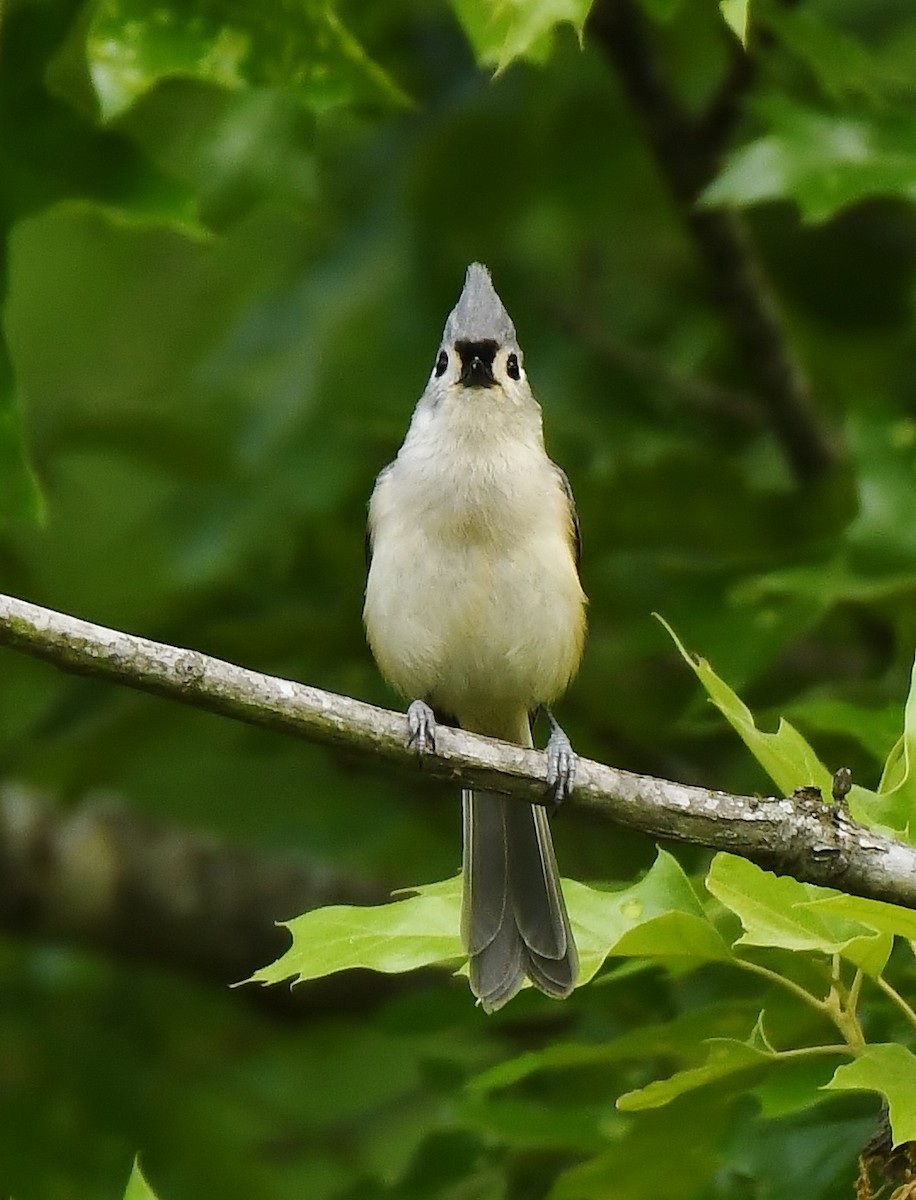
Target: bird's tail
514,921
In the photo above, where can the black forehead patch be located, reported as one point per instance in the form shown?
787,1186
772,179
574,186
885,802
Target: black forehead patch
485,351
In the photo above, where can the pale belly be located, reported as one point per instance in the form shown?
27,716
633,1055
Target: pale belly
472,630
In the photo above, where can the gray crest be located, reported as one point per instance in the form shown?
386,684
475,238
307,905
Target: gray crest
479,315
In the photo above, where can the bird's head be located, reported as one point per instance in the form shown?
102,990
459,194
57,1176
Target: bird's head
479,348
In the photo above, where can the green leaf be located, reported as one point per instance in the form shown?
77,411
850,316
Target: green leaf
828,582
778,911
890,1069
530,1124
784,755
795,1086
396,937
662,11
132,45
507,30
787,1088
736,14
822,161
137,1187
885,918
677,1039
658,916
675,1156
841,63
86,286
726,1057
894,804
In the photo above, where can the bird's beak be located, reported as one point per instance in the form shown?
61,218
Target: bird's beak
475,372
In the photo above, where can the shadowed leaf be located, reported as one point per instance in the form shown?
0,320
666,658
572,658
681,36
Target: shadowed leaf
132,45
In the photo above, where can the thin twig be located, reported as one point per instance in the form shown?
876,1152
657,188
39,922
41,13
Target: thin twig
852,1000
783,981
815,1051
894,995
838,1008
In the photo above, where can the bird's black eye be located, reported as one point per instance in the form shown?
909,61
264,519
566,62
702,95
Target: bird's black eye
513,370
441,364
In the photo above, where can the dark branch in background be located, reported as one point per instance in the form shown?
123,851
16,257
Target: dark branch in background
109,879
704,395
803,836
688,151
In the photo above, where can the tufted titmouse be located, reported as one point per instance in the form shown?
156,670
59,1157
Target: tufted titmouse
474,608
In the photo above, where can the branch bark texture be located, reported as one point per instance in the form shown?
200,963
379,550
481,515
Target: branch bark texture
810,840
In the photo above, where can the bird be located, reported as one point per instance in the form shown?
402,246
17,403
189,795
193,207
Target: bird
475,613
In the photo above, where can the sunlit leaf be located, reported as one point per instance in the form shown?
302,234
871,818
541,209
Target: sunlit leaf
507,30
131,45
890,1069
658,916
401,936
894,805
137,1187
822,161
887,918
784,755
778,911
736,14
789,759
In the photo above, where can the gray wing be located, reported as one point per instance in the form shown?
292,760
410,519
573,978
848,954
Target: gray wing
573,514
368,544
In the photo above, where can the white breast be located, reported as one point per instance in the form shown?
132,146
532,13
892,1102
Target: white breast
473,600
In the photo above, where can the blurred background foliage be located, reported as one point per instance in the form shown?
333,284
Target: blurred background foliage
232,235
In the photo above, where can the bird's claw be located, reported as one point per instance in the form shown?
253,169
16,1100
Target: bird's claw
561,762
421,727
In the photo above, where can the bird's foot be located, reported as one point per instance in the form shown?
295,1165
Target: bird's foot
421,727
561,761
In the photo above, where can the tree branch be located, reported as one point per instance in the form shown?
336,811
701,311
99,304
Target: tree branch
687,151
110,879
803,837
